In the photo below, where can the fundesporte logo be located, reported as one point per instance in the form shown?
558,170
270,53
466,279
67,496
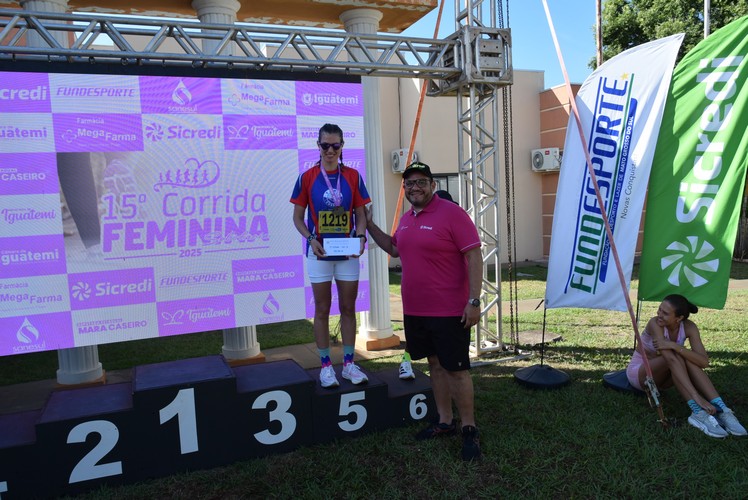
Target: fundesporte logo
154,132
692,259
81,291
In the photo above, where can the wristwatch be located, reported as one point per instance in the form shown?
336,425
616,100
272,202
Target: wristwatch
362,236
474,302
310,238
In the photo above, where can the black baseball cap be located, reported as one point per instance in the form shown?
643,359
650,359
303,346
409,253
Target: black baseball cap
417,166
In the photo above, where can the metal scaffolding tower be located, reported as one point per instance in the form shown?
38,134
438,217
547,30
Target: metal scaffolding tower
474,64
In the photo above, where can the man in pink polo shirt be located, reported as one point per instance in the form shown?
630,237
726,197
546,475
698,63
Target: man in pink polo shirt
439,250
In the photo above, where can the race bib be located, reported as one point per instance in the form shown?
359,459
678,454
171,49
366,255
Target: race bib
334,222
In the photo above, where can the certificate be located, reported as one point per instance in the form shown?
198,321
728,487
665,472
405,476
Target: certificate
341,246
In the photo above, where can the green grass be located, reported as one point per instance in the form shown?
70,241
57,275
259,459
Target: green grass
580,441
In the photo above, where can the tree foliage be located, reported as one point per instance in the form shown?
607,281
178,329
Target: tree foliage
627,23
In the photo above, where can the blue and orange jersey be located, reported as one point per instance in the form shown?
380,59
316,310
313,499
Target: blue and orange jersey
323,220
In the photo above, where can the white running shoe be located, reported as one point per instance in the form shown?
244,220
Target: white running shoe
729,422
327,377
707,424
354,374
406,371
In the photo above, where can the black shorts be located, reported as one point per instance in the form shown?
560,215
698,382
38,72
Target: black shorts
445,337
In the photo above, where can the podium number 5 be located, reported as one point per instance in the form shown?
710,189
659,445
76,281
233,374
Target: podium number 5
346,408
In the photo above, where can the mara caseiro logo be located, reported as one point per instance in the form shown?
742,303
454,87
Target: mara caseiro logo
111,288
692,259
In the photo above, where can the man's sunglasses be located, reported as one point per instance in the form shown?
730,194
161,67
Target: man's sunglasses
326,145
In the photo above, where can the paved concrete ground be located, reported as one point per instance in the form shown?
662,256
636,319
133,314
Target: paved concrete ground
33,395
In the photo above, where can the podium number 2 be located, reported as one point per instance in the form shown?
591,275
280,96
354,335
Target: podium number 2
89,466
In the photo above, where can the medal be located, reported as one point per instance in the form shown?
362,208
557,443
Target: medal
338,210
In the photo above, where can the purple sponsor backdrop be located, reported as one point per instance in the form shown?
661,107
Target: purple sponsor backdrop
28,173
41,255
35,332
276,273
362,299
108,283
111,288
354,158
26,93
328,99
105,132
169,95
257,132
195,315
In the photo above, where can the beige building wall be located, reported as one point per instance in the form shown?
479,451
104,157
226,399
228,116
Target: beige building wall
436,145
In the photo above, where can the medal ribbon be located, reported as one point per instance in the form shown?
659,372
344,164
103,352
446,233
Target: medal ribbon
337,196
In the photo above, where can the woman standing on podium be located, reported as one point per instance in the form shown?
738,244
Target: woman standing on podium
333,196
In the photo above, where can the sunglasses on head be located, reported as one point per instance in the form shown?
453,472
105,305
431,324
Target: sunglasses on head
326,145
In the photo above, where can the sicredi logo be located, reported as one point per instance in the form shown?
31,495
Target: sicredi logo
114,288
155,132
38,93
83,291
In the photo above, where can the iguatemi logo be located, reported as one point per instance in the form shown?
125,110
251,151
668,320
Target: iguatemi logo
238,133
691,260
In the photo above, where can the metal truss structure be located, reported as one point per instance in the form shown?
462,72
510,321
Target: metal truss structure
474,63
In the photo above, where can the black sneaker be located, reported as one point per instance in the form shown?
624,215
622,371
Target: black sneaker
436,429
470,444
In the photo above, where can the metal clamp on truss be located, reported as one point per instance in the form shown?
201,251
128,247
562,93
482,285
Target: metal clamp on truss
483,56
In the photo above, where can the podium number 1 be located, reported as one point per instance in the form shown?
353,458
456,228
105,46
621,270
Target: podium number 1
183,407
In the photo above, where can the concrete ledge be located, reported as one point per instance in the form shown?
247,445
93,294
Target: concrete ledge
382,344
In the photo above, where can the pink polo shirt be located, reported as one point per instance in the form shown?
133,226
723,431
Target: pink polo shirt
432,244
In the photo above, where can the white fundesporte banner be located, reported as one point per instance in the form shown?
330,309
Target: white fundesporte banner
620,107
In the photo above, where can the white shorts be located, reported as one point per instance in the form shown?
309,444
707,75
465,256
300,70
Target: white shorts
321,271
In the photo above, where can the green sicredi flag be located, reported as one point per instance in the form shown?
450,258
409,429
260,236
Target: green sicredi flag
698,173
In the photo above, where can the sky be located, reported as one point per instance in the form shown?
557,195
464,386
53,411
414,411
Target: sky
532,44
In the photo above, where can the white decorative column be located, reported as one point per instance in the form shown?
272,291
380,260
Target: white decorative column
240,345
376,324
77,365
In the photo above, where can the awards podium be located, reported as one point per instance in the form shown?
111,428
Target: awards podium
192,414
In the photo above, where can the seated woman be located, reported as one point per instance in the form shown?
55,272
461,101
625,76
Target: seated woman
673,364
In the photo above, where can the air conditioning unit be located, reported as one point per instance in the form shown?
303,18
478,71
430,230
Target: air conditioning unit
399,160
545,160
